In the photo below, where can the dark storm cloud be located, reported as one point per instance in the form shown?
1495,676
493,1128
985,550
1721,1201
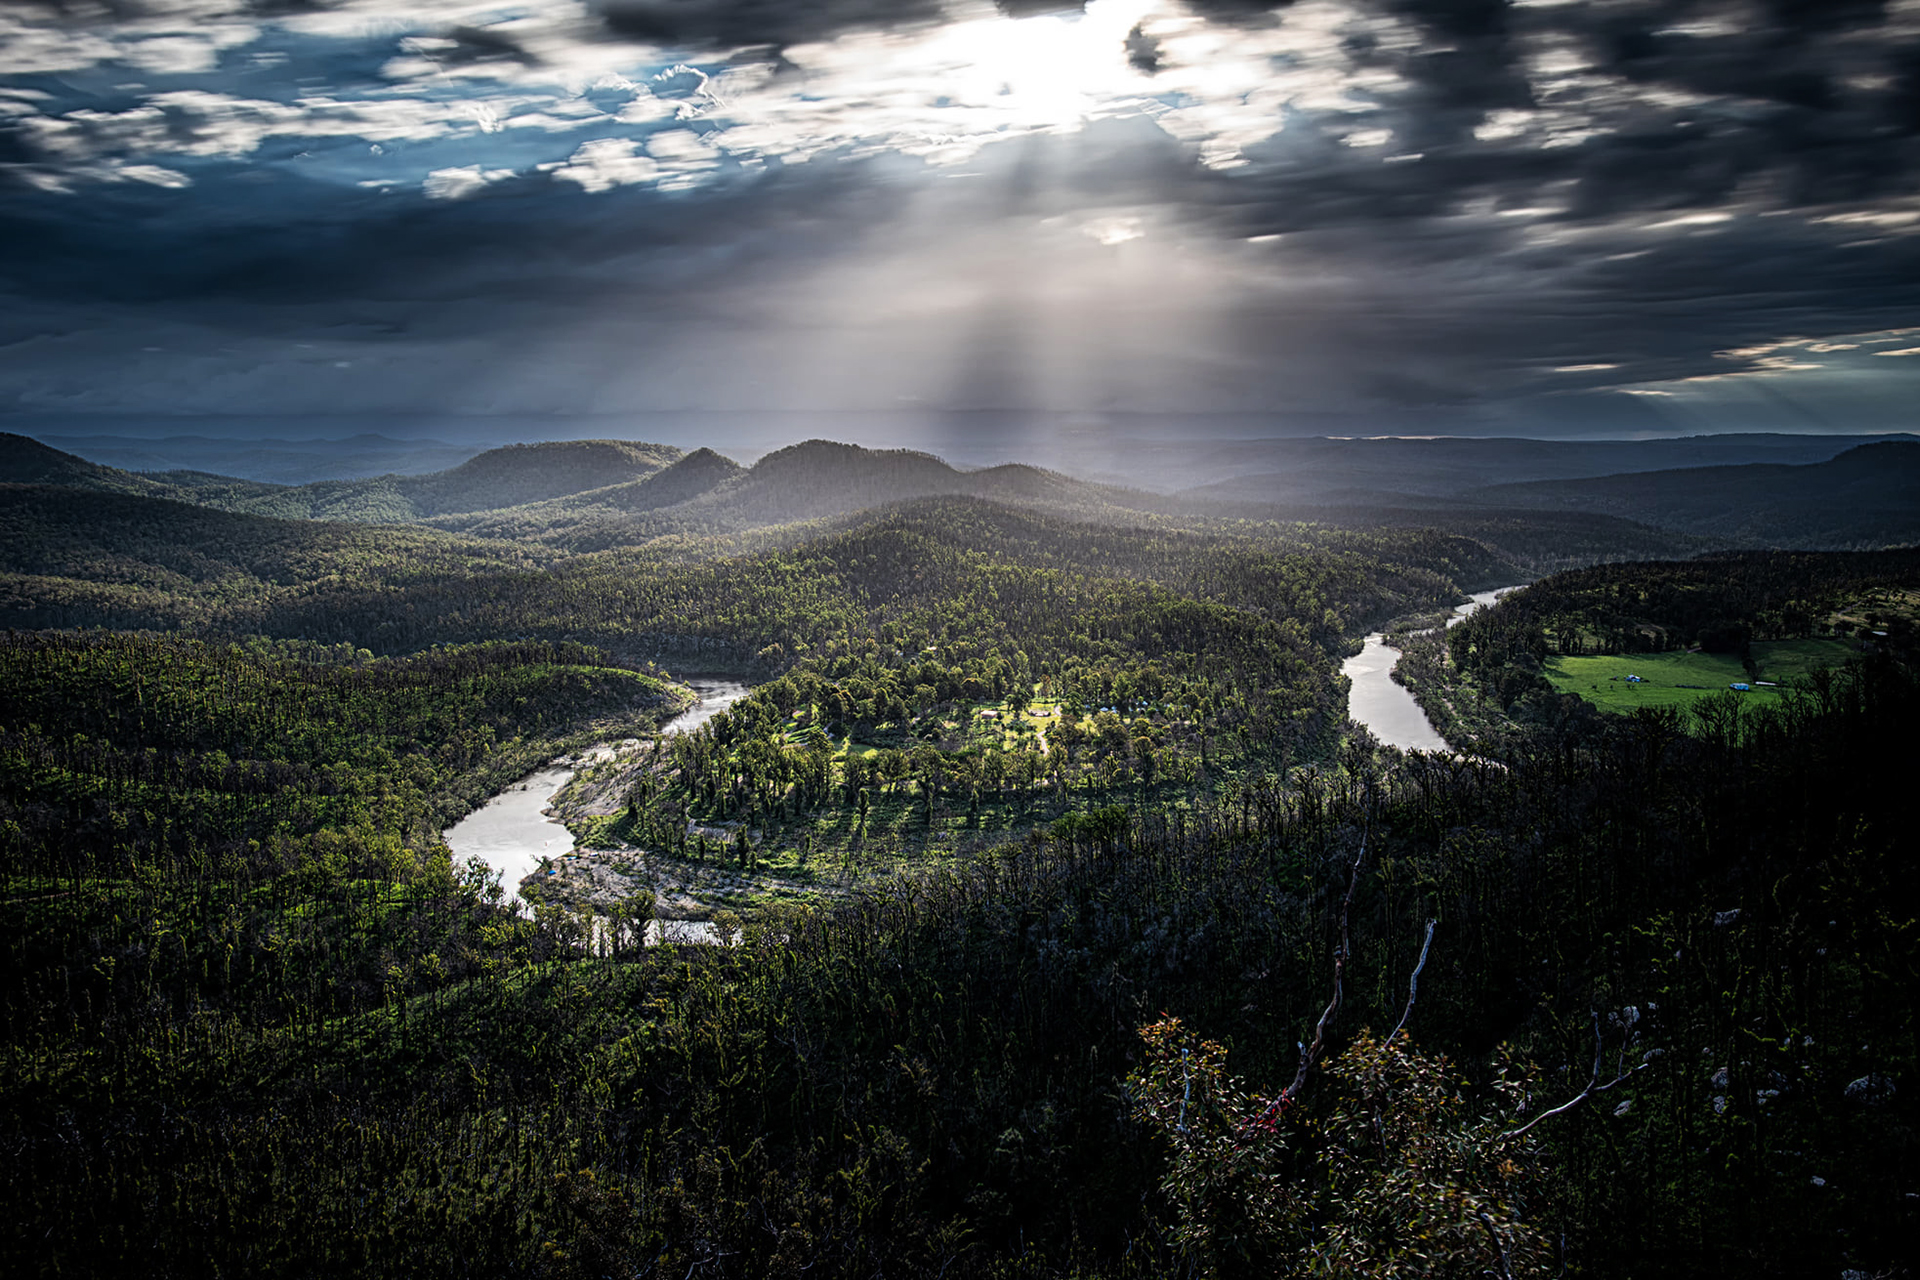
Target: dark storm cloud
1508,200
307,241
1143,50
1809,108
757,22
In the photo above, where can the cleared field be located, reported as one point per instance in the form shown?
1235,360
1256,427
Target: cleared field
1784,659
1678,679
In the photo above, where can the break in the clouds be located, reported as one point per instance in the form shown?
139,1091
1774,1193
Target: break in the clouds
1522,214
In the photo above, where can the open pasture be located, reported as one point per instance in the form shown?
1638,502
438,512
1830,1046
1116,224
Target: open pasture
1678,679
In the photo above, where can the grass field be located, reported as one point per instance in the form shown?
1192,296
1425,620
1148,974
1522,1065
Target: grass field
1678,679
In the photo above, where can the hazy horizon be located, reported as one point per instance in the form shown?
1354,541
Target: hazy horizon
1149,454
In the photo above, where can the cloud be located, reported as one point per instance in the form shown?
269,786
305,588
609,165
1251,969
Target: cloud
605,163
777,23
1394,204
457,184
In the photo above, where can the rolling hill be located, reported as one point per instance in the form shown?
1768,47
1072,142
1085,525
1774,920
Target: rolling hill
505,477
821,478
593,516
72,559
1332,469
24,460
704,493
1867,497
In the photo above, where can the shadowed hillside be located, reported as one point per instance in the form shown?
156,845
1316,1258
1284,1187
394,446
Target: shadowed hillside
24,460
588,517
706,494
822,478
506,477
74,560
522,473
1866,497
1322,470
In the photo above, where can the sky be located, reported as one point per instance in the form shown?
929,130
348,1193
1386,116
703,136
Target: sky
1538,217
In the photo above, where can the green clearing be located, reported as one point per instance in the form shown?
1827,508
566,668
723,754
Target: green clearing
1784,659
1679,679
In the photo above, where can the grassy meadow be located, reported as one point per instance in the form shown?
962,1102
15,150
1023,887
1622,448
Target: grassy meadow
1677,679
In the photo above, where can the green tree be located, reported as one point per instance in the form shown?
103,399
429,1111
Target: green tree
1402,1176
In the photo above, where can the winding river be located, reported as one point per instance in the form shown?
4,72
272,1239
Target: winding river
511,832
1386,708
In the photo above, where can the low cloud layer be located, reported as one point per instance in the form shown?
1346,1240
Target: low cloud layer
1620,215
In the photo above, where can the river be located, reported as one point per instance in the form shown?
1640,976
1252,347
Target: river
511,832
1386,708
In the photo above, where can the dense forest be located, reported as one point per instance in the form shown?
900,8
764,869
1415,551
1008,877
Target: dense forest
1120,951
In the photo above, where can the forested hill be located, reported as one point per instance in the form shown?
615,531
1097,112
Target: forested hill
1867,497
24,460
814,480
823,478
593,495
1027,772
254,1030
598,517
72,559
504,477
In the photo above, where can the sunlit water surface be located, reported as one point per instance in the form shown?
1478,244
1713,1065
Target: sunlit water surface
511,832
1386,708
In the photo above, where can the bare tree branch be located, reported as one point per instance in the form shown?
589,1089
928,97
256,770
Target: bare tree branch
1413,983
1622,1072
1312,1052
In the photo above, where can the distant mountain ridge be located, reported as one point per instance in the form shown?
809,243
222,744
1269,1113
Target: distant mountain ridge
499,478
1370,469
822,478
510,476
1869,496
592,495
704,493
584,519
270,459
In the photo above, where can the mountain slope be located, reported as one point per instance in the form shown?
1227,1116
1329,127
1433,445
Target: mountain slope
1867,497
71,558
269,459
1322,469
24,460
603,517
705,493
699,472
523,473
505,477
822,478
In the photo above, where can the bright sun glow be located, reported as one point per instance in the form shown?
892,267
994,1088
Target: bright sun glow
1042,72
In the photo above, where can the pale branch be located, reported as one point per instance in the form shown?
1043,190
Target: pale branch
1413,983
1499,1245
1312,1051
1621,1073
